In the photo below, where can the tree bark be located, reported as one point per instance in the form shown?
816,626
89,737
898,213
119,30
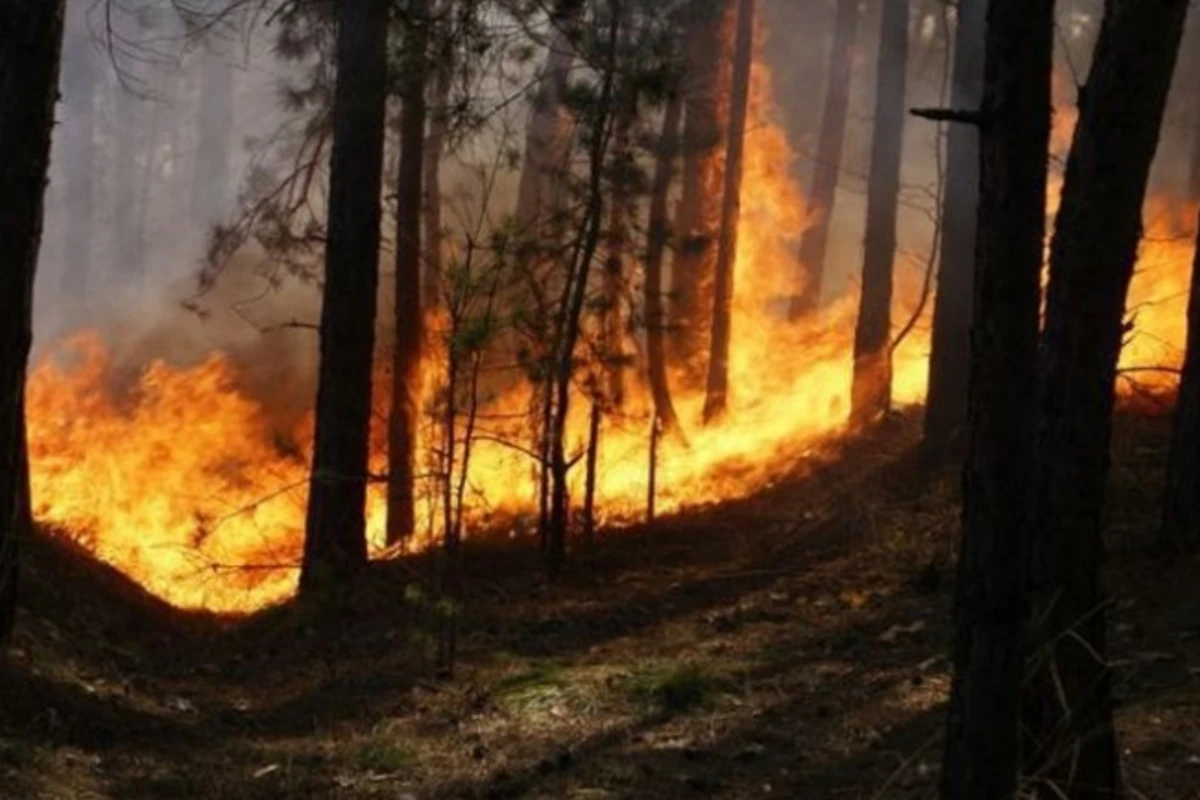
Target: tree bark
982,756
872,386
814,242
406,353
657,237
435,146
30,47
697,223
1069,716
717,396
1181,504
950,352
335,536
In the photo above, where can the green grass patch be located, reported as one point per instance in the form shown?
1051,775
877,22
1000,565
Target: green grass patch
673,688
385,757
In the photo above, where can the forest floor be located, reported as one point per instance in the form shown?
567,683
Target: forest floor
792,644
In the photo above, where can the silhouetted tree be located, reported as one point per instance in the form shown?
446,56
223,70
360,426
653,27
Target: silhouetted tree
658,234
950,351
709,52
335,536
872,386
828,165
1181,504
1096,237
716,397
982,756
30,46
406,353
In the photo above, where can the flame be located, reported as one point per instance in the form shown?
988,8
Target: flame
184,482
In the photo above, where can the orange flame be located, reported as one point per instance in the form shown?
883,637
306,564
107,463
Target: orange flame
183,484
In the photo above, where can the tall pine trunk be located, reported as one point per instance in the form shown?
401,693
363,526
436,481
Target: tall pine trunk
435,146
950,352
1181,505
1091,262
717,396
406,353
709,52
982,756
657,236
335,542
30,46
814,242
872,387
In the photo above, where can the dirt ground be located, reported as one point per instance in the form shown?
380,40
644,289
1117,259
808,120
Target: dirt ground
788,645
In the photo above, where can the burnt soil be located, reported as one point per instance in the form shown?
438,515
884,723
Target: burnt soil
791,644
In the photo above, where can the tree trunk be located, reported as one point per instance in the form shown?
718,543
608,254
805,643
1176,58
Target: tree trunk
435,146
656,245
30,47
622,210
80,73
1181,504
406,353
717,396
982,756
872,388
697,223
830,141
1091,263
335,537
950,353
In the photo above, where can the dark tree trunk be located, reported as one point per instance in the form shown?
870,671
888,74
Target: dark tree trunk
830,141
982,756
210,174
335,537
30,45
697,223
1181,504
621,210
1091,263
656,246
872,388
717,396
435,146
80,78
950,353
406,354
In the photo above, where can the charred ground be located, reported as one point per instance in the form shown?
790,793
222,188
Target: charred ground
791,644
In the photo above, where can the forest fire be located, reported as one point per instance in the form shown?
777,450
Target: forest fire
184,484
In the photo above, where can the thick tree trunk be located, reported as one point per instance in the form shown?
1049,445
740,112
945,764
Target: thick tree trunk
698,220
335,537
872,387
717,396
30,46
406,353
982,756
435,146
80,79
1091,263
830,141
656,246
950,353
1181,504
621,211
